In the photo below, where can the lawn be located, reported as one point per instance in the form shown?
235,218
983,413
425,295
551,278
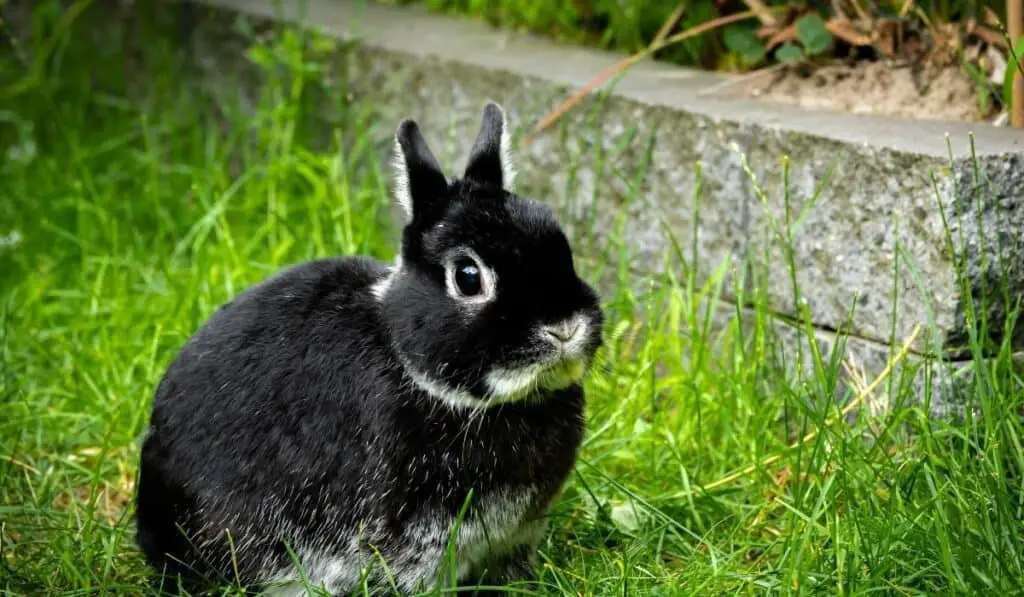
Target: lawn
133,201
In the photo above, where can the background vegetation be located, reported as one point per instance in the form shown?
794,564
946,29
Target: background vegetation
135,198
630,26
972,34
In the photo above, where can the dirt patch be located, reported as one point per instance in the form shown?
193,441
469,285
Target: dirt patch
108,497
108,501
872,87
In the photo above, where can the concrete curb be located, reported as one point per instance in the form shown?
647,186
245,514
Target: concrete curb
904,205
890,181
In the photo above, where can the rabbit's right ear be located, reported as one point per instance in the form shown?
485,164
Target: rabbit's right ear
420,185
489,161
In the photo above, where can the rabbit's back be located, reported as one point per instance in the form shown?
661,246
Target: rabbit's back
262,415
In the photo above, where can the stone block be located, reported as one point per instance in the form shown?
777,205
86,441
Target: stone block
943,387
882,238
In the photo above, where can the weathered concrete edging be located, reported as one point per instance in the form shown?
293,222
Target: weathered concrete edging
627,158
440,70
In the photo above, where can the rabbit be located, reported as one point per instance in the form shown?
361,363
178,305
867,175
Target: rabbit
334,425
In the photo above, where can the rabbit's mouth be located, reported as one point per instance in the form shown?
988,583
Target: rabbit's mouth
563,352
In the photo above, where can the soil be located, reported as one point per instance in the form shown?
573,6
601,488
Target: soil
873,87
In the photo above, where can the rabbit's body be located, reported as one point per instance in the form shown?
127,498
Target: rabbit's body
321,456
329,411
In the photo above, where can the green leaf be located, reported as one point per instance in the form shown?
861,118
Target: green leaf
741,41
813,34
981,87
1014,65
789,52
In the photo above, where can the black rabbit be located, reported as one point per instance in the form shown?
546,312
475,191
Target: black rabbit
332,422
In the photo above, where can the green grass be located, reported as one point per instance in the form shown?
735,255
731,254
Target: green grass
143,201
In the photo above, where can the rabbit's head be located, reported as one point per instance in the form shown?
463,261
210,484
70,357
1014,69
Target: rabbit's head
483,305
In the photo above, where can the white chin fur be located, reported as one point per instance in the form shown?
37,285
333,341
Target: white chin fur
458,399
504,385
453,397
512,384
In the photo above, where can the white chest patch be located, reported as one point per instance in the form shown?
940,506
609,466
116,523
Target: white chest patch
497,524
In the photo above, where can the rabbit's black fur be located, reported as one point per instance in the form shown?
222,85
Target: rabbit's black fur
344,412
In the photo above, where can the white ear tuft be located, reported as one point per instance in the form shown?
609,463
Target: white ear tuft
400,174
508,169
420,186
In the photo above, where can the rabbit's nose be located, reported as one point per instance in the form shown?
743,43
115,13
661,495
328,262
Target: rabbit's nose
563,332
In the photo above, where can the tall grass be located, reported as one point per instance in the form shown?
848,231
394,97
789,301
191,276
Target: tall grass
142,200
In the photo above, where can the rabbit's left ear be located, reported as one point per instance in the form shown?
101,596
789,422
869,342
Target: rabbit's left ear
420,185
489,159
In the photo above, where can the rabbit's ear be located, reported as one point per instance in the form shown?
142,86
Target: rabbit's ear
420,185
489,159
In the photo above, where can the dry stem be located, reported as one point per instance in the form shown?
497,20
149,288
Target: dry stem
625,63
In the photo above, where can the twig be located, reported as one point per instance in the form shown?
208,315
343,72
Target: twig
670,22
743,78
764,14
625,63
828,423
25,467
862,13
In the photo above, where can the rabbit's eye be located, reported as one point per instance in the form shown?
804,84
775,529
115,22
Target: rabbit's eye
467,277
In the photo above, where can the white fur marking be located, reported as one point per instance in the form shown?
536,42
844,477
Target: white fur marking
503,384
508,171
496,525
401,179
380,288
507,385
335,572
456,398
572,347
333,569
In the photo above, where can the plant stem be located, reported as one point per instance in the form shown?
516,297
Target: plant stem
864,393
1015,27
764,14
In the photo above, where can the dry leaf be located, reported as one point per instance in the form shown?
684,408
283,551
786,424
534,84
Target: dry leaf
989,36
765,31
991,18
887,35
